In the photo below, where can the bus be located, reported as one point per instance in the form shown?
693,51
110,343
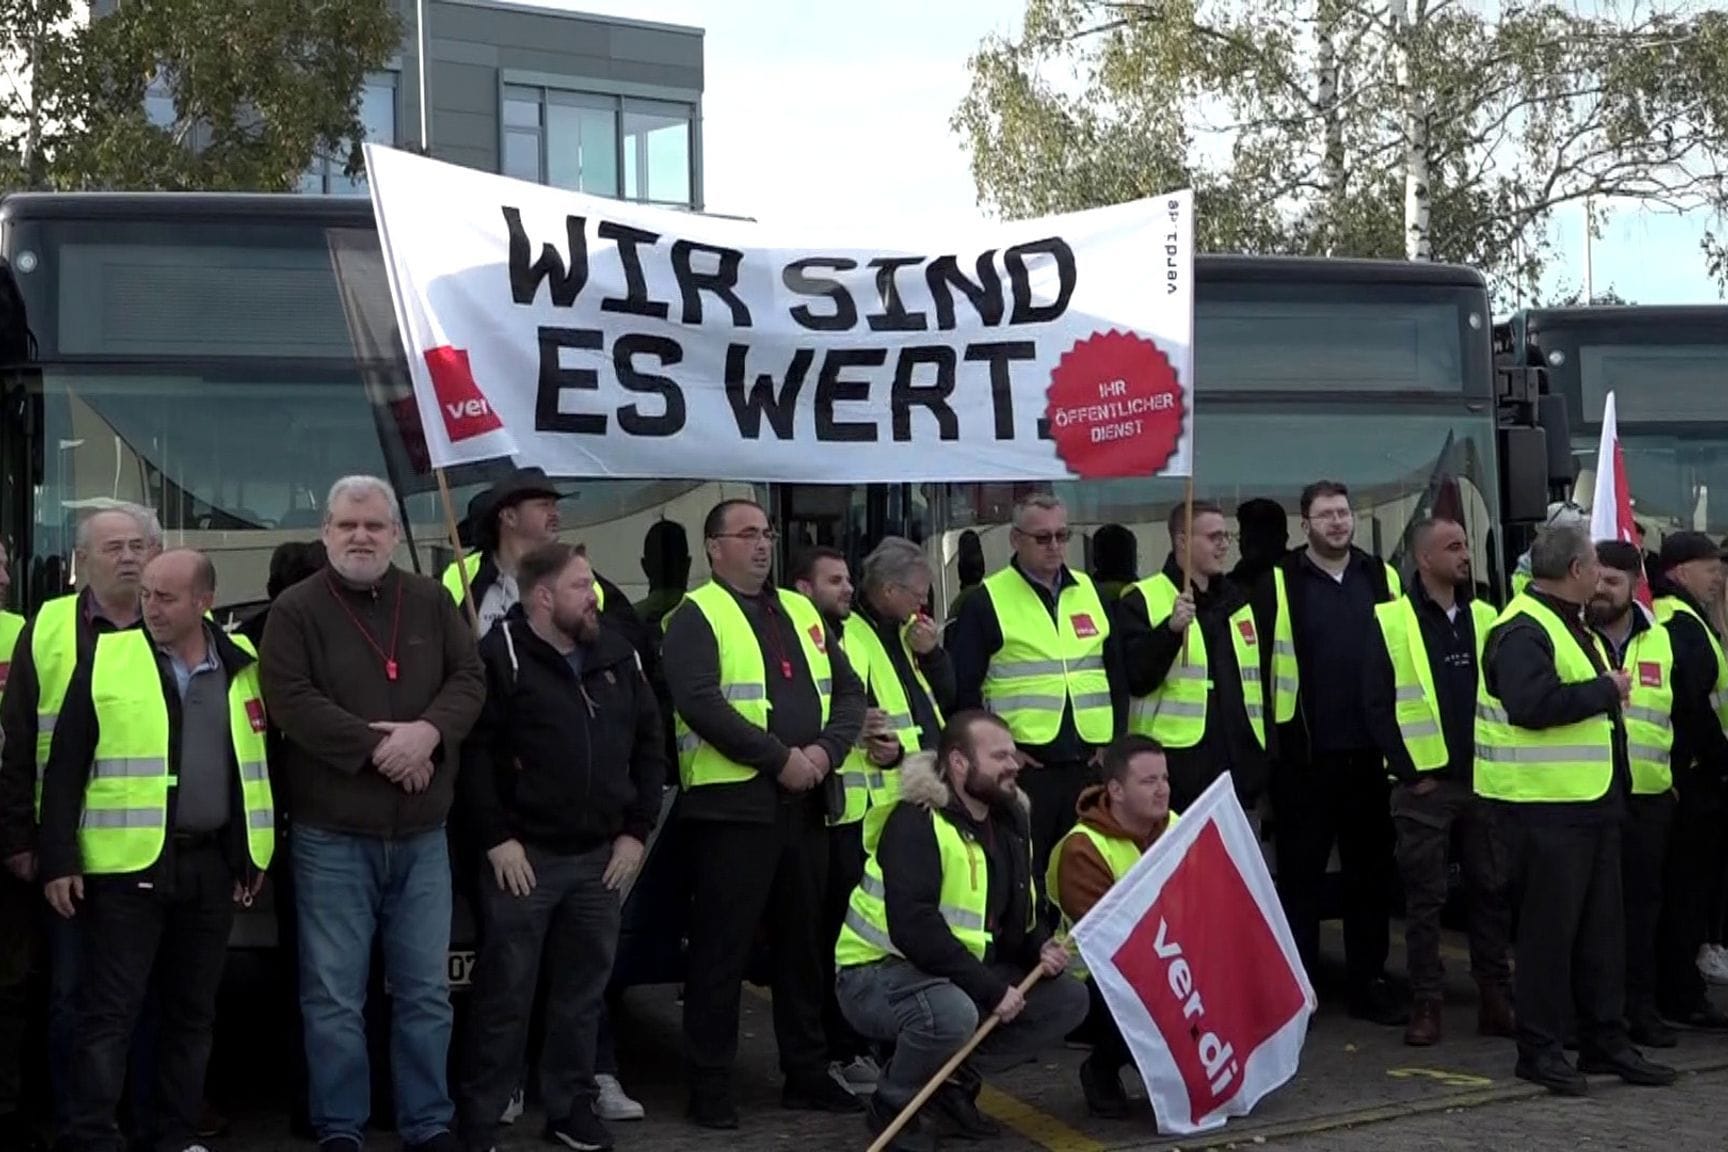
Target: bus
223,358
1668,369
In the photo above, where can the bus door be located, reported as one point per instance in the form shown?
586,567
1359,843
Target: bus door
852,518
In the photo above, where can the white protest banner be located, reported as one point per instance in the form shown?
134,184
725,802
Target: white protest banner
595,337
1197,964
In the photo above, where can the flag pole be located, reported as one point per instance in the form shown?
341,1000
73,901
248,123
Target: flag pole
948,1069
456,543
1188,553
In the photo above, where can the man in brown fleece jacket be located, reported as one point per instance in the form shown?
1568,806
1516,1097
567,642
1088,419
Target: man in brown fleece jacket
1118,820
372,677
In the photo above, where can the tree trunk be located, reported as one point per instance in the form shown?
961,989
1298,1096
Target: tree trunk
1331,116
1418,239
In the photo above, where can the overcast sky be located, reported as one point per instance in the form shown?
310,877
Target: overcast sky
833,113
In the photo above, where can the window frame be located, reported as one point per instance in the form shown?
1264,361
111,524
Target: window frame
329,169
621,98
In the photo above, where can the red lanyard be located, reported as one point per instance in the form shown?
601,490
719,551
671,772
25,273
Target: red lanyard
771,637
389,657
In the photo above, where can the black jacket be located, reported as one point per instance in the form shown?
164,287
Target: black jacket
18,719
1149,649
1451,647
1700,750
938,669
560,763
618,611
1296,738
692,665
1518,665
76,734
911,867
976,635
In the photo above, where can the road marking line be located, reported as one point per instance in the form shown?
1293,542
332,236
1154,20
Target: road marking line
1445,1075
1035,1125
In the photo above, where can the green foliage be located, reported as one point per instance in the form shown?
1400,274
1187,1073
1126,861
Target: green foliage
259,88
1352,128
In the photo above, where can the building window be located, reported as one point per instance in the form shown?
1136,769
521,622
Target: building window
326,176
605,145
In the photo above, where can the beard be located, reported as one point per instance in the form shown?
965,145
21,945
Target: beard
1602,610
991,792
581,627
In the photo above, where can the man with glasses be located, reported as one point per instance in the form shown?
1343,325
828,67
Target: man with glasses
1191,659
766,708
1330,783
1035,648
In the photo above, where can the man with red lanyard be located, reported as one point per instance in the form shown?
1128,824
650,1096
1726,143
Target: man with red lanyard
372,677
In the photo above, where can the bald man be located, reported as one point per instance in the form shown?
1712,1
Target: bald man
156,820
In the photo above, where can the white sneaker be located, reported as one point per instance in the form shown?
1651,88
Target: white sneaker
858,1075
1713,963
612,1103
513,1110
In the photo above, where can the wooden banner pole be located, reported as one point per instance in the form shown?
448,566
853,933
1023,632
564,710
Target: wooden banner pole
456,543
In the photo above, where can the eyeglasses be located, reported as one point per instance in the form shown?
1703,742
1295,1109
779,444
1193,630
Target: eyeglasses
749,535
1045,539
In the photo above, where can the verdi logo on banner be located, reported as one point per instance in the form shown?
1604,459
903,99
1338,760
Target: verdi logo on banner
599,338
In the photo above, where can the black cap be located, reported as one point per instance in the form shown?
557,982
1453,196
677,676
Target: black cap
1683,547
522,484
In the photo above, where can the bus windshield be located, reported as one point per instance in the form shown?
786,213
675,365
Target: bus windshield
1385,386
1668,370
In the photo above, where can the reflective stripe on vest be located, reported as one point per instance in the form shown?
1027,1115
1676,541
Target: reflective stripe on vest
1286,673
963,901
125,818
1047,665
1174,713
54,652
1573,763
869,787
744,677
1670,606
1416,705
452,581
1649,714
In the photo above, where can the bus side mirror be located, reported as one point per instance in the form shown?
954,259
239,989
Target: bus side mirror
1524,467
1556,425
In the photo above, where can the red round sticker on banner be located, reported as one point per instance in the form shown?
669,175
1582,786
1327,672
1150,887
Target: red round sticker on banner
1114,407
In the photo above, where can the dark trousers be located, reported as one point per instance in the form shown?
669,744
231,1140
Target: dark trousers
178,928
1697,866
748,875
1424,824
19,904
927,1019
845,869
1109,1051
1342,799
1571,934
1053,789
1643,854
571,919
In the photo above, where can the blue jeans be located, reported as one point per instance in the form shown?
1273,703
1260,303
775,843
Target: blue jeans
350,889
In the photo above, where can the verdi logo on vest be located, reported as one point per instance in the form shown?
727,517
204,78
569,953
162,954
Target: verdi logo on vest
255,714
1246,627
1649,674
460,401
1083,625
1210,972
817,638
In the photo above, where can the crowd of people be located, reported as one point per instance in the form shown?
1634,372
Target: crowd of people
911,814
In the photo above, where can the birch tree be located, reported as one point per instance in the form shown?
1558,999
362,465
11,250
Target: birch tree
1415,129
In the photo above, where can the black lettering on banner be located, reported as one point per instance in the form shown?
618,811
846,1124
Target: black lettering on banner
631,418
894,317
999,356
907,393
564,284
832,389
985,295
1025,311
751,400
723,281
798,280
635,300
555,379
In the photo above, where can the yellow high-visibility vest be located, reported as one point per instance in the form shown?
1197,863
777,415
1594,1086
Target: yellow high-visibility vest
125,819
1670,606
1649,714
452,580
1174,713
1415,702
868,786
744,677
1572,763
1286,673
1045,665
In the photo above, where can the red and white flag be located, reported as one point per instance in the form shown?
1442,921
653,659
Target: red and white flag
1196,961
1611,503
